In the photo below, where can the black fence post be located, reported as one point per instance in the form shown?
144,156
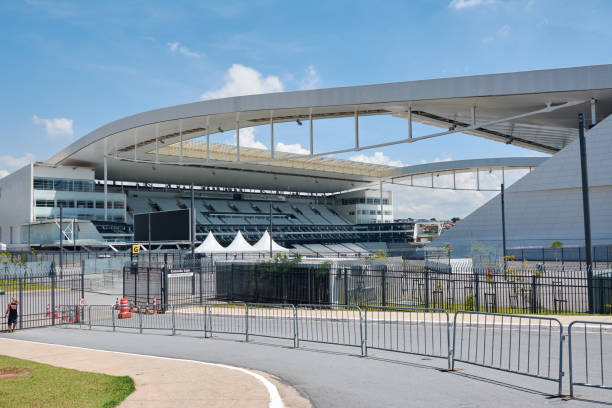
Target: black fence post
426,288
534,298
310,285
53,294
20,303
231,291
383,284
346,293
164,282
201,284
477,291
83,279
148,283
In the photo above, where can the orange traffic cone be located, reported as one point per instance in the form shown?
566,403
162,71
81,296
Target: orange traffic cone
154,305
55,313
71,319
48,311
63,315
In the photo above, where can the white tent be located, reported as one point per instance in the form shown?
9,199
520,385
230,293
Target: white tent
210,245
2,246
239,244
263,245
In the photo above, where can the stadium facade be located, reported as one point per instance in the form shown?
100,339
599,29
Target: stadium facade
147,162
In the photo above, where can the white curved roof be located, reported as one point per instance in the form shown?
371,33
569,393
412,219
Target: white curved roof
447,102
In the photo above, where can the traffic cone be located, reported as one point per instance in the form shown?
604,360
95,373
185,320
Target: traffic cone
63,315
48,311
154,305
71,319
55,313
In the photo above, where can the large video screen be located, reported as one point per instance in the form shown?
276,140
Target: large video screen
165,226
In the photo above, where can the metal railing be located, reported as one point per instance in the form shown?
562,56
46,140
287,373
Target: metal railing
588,354
330,324
424,332
526,345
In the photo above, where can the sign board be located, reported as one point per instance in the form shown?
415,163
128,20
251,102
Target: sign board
180,275
162,226
82,302
135,249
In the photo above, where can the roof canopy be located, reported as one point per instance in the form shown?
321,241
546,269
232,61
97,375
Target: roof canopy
533,109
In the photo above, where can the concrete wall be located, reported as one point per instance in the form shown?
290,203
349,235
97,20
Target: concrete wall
546,204
15,204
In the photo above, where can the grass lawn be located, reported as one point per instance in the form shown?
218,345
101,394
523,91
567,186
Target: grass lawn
49,386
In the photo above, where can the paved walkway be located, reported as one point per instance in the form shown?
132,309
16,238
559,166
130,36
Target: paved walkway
164,382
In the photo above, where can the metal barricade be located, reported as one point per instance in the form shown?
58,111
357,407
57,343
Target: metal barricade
271,320
330,324
420,331
589,351
526,345
228,318
189,317
101,316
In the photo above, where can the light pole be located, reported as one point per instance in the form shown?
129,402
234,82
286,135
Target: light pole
586,210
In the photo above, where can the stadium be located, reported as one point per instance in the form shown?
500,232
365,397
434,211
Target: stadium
314,203
152,224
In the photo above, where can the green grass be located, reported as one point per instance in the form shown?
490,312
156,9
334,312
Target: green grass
49,386
12,285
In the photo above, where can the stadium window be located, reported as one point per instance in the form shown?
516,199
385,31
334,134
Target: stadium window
99,204
118,205
62,185
65,203
81,204
43,184
45,203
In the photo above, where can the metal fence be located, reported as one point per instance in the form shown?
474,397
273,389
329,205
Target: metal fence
590,354
42,299
516,290
527,345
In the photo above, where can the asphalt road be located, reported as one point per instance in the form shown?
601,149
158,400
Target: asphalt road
336,376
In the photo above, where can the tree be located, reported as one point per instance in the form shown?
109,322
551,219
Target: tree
556,244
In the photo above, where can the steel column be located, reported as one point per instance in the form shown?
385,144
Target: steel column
586,209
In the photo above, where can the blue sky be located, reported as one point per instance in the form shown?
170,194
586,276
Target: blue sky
70,67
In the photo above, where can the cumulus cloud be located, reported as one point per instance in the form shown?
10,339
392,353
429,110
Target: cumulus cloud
56,128
311,79
11,163
503,32
291,148
247,139
377,158
181,49
463,4
242,80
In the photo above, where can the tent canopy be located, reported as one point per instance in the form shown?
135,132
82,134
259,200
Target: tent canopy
210,245
239,244
263,245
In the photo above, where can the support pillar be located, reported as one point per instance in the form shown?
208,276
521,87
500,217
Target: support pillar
311,138
271,135
503,216
237,139
356,129
106,188
586,210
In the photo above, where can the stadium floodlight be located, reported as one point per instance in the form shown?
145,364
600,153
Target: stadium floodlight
299,122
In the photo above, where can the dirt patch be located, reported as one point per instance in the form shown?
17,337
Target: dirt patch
10,372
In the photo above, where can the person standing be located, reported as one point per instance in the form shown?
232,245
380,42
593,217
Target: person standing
11,312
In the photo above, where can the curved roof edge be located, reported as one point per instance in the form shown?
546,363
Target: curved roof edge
526,82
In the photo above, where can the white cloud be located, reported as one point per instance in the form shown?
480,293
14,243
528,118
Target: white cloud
176,46
311,80
377,158
461,4
241,80
14,163
291,148
56,127
247,139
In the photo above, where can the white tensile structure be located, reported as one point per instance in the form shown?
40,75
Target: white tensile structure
263,245
546,204
239,244
210,245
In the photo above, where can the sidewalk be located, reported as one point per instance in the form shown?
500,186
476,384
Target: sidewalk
162,382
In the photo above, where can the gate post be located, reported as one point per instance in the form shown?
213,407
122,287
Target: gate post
53,294
140,321
173,321
89,318
164,284
112,314
83,279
